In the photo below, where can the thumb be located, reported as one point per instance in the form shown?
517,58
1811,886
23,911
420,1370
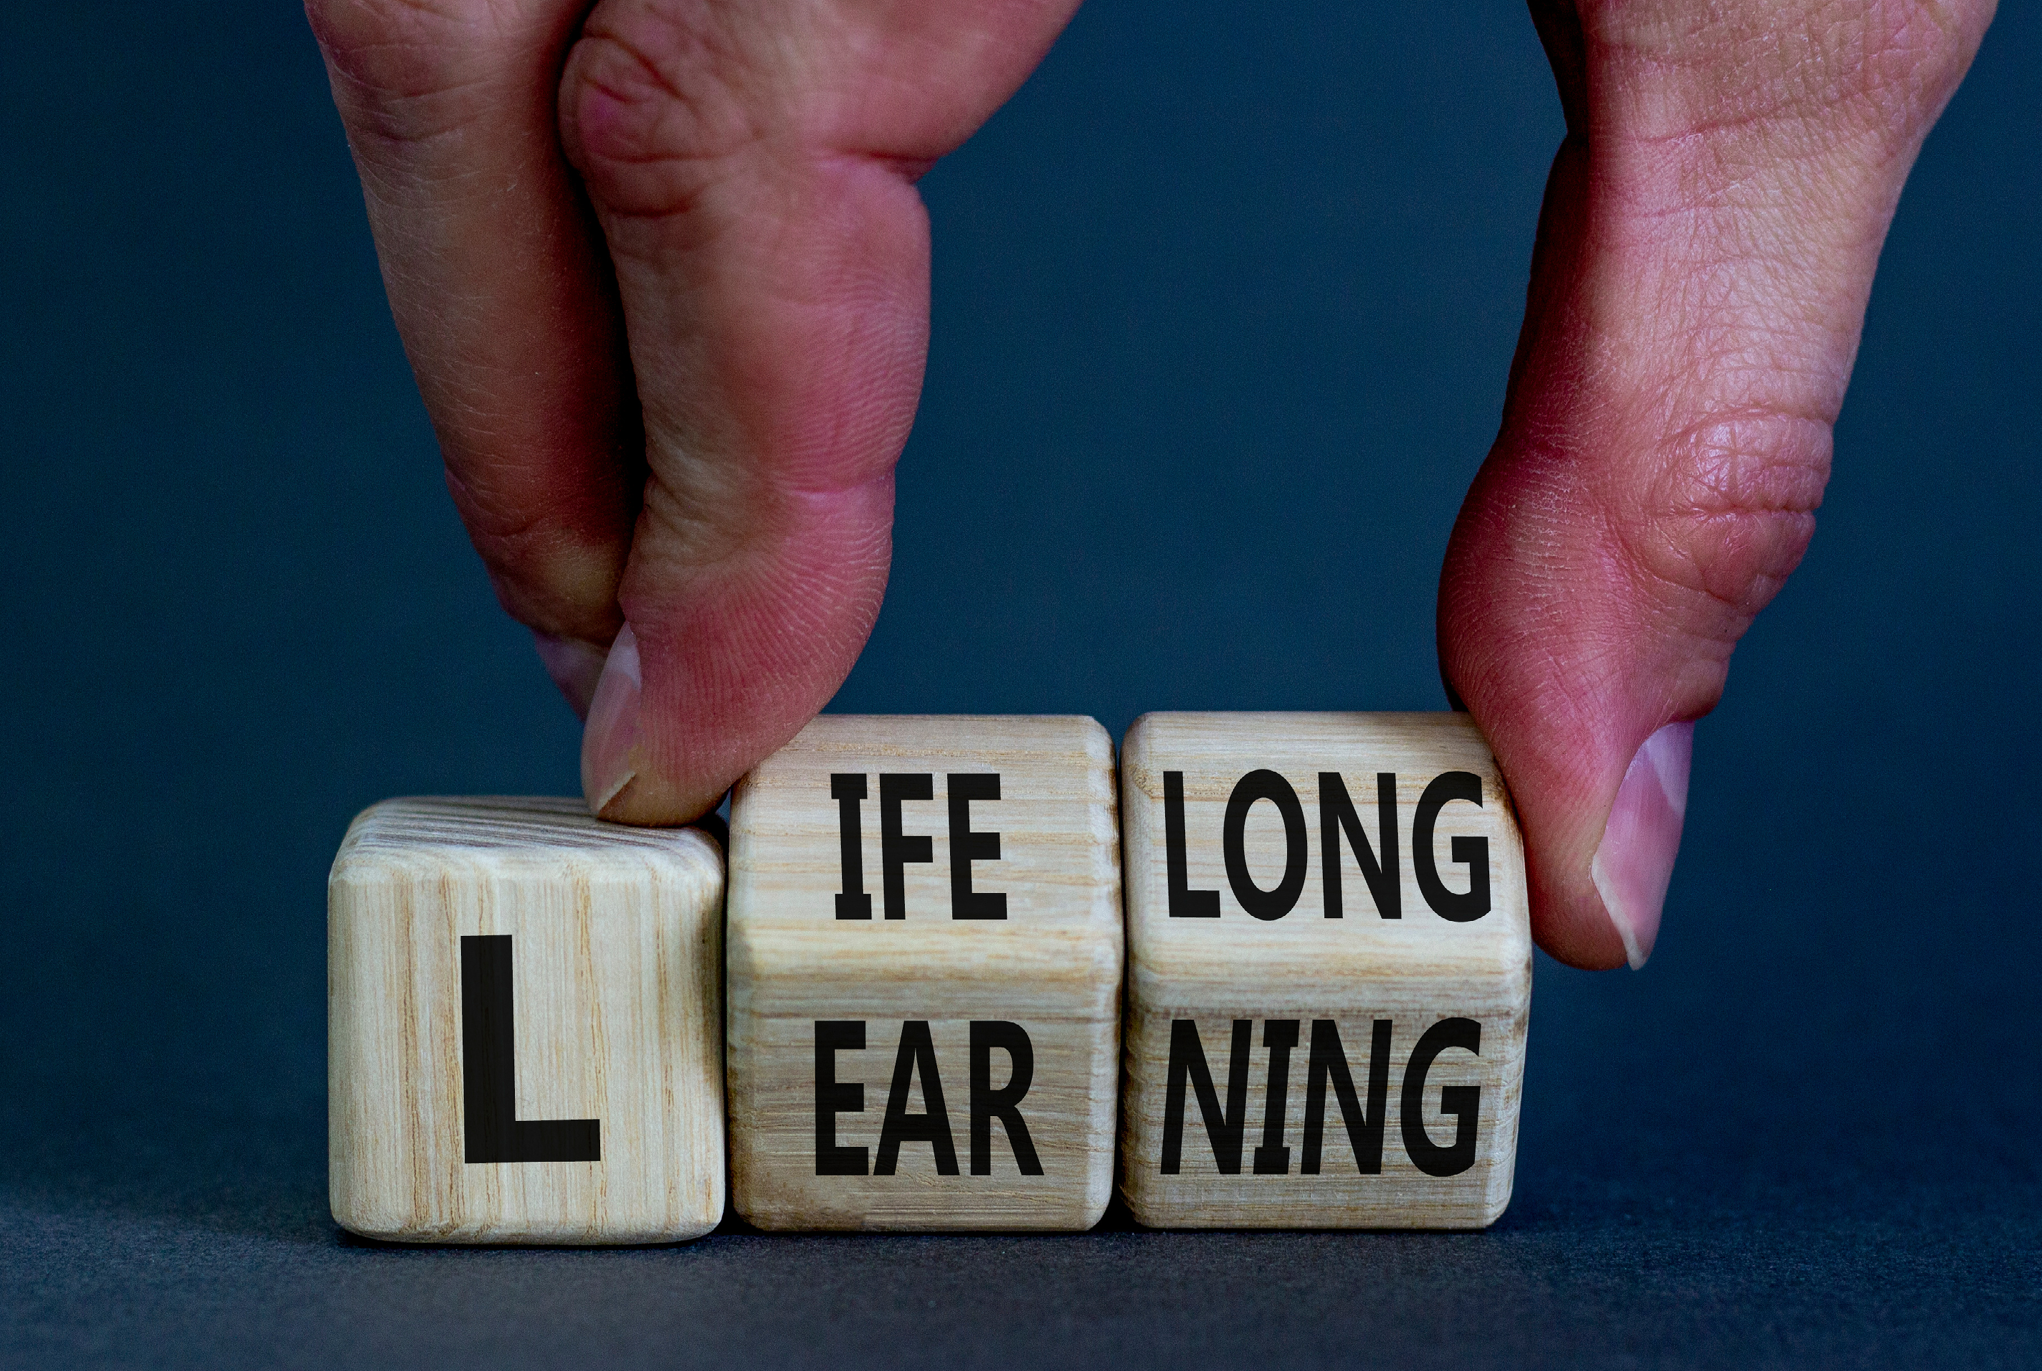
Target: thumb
1705,252
752,167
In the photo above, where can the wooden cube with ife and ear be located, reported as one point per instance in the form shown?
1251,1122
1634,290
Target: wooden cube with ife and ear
924,976
524,1026
1329,972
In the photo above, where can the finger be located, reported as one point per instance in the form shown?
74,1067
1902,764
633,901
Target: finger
1705,253
501,290
752,166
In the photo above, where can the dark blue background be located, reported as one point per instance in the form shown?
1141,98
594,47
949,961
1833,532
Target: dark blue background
1224,302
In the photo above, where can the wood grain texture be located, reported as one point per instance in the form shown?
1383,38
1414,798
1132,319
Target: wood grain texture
1052,966
614,956
1416,971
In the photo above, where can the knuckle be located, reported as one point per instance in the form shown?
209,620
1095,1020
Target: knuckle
1888,68
705,514
655,102
407,71
1844,66
392,47
1724,516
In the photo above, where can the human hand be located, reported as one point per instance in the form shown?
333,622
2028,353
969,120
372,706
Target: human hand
663,275
1705,252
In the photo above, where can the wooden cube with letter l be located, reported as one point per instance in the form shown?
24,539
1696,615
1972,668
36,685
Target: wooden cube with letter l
925,958
524,1030
1329,972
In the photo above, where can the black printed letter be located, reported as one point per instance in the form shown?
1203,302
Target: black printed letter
489,1071
1265,785
833,1097
1004,1102
1187,1058
1474,852
1462,1101
1272,1158
1184,903
847,788
1364,1131
1336,815
967,847
917,1055
895,850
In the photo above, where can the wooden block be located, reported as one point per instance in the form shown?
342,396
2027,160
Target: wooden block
924,976
524,1026
1384,994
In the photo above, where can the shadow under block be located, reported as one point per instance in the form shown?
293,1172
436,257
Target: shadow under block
524,1026
1329,972
924,976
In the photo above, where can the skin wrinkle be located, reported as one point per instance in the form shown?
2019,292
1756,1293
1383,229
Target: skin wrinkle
859,321
805,596
1659,527
396,56
702,502
722,509
522,539
392,129
693,533
701,512
1716,603
1708,199
1728,336
1574,699
1663,535
824,74
662,124
1912,70
1775,149
812,136
1731,465
492,516
763,567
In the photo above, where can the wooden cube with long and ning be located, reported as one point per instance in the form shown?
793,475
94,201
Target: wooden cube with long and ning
925,958
1329,972
524,1026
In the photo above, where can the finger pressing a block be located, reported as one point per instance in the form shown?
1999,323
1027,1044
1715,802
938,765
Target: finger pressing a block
524,1026
1329,972
924,976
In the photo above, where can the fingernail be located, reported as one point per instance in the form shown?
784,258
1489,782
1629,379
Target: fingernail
610,742
1633,863
574,665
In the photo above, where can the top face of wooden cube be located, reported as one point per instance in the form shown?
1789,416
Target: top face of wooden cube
523,835
943,866
1271,873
